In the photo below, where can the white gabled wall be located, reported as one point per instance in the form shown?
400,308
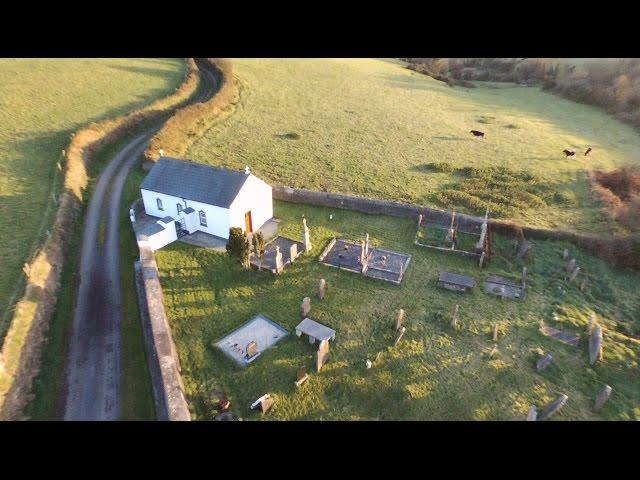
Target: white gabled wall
164,237
255,196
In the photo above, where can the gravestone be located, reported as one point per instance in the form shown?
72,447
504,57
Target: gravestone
532,416
565,254
570,266
368,364
573,275
495,332
399,320
602,398
481,262
293,251
553,407
583,286
544,362
264,403
366,245
322,288
419,220
322,355
301,376
305,307
251,349
454,320
279,264
493,351
399,337
595,344
306,235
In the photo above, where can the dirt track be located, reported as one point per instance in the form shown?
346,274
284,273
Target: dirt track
93,377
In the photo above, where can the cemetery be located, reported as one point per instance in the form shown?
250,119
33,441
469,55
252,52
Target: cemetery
401,351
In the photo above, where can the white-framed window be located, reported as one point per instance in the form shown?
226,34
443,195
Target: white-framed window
203,218
159,202
179,207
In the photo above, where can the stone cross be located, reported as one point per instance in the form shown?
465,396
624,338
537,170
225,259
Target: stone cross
573,275
279,264
532,416
305,307
322,288
454,320
602,398
553,407
322,355
544,362
399,337
397,324
306,236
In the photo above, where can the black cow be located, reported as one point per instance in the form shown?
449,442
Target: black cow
587,152
477,133
569,153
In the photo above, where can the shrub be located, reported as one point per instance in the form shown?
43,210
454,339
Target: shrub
444,167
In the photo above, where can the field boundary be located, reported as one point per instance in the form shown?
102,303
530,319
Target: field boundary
20,354
621,251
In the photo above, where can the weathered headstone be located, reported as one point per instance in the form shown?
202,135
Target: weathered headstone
454,319
305,307
595,344
301,376
543,362
573,275
419,220
399,320
306,235
399,336
251,349
602,398
495,332
264,403
553,407
532,416
570,267
279,263
322,355
565,254
293,251
322,288
368,364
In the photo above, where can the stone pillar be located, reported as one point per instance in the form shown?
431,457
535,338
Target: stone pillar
305,307
419,220
306,236
495,332
279,263
322,288
366,245
595,345
397,324
573,275
602,398
524,277
454,320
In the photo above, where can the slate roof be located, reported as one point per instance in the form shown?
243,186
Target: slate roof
194,181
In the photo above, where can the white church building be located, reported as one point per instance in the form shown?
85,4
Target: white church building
189,197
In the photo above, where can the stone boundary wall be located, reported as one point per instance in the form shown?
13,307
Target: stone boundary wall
164,366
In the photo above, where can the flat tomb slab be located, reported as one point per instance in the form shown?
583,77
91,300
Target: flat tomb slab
316,330
564,337
504,287
454,281
383,264
261,330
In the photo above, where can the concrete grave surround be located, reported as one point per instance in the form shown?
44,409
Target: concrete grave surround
259,329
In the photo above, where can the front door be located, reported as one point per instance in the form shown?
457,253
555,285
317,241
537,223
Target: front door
248,226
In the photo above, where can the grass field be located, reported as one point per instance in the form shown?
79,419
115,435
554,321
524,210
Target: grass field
435,372
42,102
371,126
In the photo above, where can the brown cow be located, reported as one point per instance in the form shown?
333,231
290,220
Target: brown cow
569,153
477,133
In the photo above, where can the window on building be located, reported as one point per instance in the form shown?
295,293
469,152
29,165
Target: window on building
179,207
159,202
203,218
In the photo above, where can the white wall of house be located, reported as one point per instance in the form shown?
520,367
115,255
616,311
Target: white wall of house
217,218
164,237
254,196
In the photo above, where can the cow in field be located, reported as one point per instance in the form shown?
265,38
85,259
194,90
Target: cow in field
588,151
477,133
569,153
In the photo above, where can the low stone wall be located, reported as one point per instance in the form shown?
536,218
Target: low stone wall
164,366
